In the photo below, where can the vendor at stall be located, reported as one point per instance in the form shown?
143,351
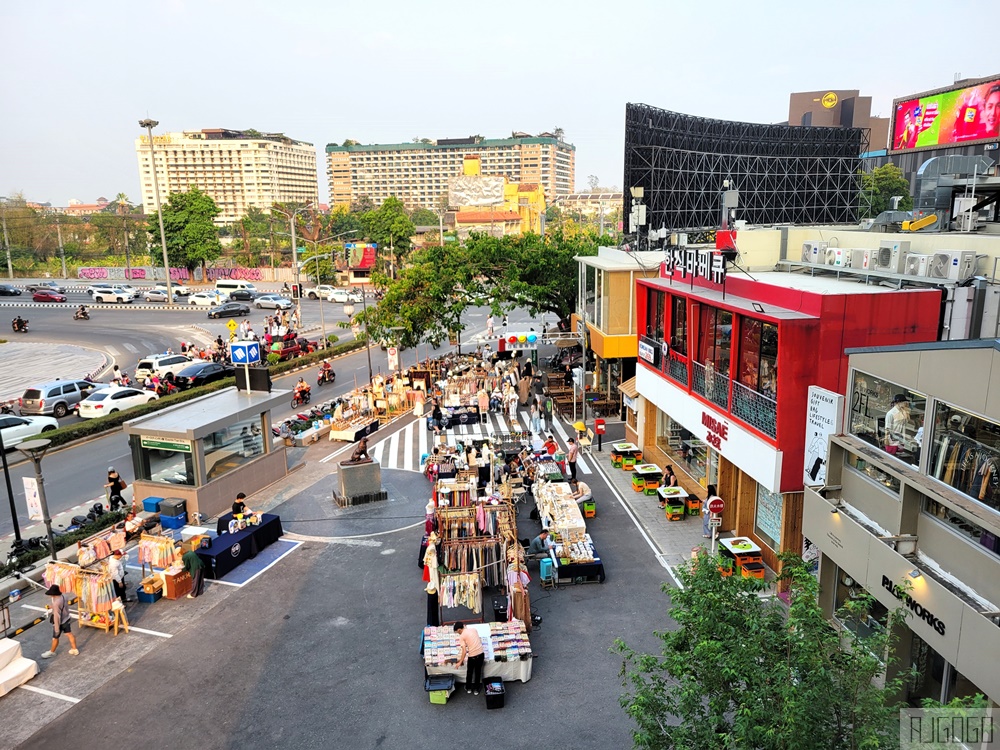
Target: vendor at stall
133,526
541,545
581,492
240,507
471,648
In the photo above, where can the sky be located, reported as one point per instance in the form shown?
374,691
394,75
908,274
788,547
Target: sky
79,74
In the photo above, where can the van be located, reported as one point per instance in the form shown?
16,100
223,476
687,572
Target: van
231,285
55,398
162,365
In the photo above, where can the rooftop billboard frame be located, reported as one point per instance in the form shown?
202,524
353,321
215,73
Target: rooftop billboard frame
948,117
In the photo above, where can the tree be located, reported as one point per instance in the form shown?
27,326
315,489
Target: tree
390,227
192,239
251,235
342,221
740,671
423,217
593,181
349,142
879,186
559,133
362,205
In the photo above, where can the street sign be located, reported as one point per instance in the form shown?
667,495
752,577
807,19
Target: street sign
181,446
34,502
716,505
716,522
232,325
244,352
393,358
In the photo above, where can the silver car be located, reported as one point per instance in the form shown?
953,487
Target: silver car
275,301
155,295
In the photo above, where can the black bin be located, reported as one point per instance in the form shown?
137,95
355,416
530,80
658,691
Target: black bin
494,692
173,506
500,609
439,682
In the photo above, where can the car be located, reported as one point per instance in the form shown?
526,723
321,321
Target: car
113,294
227,309
48,286
56,397
323,290
244,295
275,301
201,373
44,295
343,296
155,295
18,429
177,287
206,299
113,399
6,290
162,365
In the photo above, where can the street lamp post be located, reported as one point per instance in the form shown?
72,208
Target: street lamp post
35,449
6,239
295,255
10,493
149,125
349,312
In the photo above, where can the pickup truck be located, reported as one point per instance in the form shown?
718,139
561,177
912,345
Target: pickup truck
318,292
48,286
285,349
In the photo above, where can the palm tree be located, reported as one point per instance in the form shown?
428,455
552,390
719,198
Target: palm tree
123,209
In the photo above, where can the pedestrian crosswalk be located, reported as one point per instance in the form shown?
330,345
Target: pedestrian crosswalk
403,447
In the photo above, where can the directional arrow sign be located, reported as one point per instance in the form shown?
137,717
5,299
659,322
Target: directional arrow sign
232,325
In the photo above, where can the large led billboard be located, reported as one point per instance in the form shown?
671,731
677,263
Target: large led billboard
947,118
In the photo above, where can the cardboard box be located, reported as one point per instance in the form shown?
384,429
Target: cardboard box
151,584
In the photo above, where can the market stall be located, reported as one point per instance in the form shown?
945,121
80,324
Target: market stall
506,647
559,513
97,604
576,560
231,548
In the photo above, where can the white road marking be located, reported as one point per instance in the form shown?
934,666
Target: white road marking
131,348
422,430
393,460
408,448
50,693
112,351
130,627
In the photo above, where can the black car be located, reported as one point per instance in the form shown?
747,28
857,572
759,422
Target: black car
247,295
227,309
6,290
201,373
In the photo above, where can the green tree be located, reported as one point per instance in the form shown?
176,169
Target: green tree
192,239
740,671
251,236
362,205
390,227
423,217
879,186
342,220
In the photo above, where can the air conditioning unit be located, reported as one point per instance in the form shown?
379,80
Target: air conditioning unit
916,264
834,256
955,265
813,252
891,257
863,258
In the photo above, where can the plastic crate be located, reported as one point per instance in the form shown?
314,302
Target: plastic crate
152,504
173,522
173,506
494,689
439,697
149,598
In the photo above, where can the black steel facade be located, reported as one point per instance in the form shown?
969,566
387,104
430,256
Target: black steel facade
784,174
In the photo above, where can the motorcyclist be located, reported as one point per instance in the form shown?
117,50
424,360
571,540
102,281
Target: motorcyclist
326,371
302,388
284,288
18,324
81,312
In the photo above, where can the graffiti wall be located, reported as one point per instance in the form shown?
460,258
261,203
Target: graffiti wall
153,274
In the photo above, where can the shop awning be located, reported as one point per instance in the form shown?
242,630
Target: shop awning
628,388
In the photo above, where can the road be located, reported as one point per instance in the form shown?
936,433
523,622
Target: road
75,474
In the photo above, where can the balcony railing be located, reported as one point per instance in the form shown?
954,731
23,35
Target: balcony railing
711,384
677,370
756,409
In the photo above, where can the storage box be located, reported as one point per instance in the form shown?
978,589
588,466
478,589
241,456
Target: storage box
151,584
193,543
545,568
152,504
494,692
173,506
173,522
149,598
753,570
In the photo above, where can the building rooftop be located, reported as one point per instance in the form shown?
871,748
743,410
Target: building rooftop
613,259
463,144
812,284
202,416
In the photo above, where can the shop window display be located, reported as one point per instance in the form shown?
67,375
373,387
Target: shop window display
962,525
888,416
863,622
872,472
758,363
767,520
689,453
965,454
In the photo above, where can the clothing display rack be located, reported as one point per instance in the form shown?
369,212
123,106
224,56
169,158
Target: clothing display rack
99,547
97,604
156,552
969,466
460,590
468,556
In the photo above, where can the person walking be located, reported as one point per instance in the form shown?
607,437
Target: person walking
471,648
195,567
536,417
706,514
61,622
571,454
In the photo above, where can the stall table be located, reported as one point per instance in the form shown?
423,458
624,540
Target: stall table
581,572
673,501
625,455
227,550
559,512
741,550
509,671
646,478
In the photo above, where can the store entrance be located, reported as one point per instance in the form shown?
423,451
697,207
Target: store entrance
935,677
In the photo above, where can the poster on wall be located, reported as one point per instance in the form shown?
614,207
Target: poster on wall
824,417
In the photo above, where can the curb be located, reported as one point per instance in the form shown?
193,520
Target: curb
70,306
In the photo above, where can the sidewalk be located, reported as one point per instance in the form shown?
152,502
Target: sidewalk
27,363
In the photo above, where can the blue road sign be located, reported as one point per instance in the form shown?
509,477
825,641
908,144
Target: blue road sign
244,352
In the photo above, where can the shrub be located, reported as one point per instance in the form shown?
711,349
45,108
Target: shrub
273,358
333,338
68,540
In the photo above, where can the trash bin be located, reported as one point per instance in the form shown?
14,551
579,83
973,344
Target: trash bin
494,692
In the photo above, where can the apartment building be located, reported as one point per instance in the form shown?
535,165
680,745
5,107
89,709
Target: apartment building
418,173
240,169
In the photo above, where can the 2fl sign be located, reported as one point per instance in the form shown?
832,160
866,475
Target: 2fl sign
244,353
708,264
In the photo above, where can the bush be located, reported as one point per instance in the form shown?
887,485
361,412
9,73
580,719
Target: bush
333,338
68,540
273,358
317,356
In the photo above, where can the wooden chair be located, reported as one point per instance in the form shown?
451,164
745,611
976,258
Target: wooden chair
586,441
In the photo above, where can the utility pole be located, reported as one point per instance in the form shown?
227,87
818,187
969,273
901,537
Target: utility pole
62,252
6,241
149,125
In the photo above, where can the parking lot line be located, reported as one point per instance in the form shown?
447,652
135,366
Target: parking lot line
50,693
157,633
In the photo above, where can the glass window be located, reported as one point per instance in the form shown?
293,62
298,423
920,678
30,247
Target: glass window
684,448
162,465
758,363
864,621
715,339
872,472
232,447
654,314
888,416
966,454
678,325
962,525
767,521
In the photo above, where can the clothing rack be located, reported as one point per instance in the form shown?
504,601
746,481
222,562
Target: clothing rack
156,552
481,555
460,590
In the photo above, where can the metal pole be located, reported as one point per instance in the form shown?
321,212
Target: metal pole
441,228
368,340
45,506
62,252
322,316
295,268
128,264
6,241
149,125
10,492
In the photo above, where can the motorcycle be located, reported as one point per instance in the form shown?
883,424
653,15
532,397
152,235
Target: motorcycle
325,376
301,397
81,315
7,407
19,327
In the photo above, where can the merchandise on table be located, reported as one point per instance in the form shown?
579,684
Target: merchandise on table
559,512
578,550
157,551
508,641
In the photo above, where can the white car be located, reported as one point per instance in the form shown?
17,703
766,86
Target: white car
275,301
18,429
156,295
162,365
343,296
323,290
111,400
113,294
207,299
177,287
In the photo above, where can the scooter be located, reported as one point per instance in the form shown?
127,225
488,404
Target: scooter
81,315
21,327
325,376
7,407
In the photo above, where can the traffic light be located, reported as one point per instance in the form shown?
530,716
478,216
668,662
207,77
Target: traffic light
296,291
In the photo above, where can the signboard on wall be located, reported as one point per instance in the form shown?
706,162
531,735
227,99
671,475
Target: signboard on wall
824,417
959,116
33,499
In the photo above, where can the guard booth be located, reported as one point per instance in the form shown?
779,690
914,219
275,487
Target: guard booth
208,449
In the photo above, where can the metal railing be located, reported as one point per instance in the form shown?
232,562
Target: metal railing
677,370
756,409
711,384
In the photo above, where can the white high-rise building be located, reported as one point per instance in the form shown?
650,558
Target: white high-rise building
240,169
